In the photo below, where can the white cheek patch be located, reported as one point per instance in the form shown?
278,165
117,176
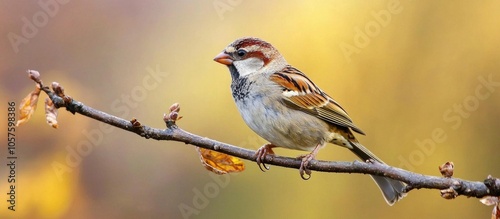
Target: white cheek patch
248,66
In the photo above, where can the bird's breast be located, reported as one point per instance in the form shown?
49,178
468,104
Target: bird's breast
265,113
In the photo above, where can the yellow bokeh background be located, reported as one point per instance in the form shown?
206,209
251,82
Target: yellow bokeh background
414,71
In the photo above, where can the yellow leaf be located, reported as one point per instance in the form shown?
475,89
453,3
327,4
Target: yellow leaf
220,163
28,106
50,113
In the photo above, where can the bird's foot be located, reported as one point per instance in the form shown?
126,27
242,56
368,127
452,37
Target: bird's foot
261,156
305,172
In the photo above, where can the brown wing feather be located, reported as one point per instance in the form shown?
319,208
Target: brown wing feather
302,92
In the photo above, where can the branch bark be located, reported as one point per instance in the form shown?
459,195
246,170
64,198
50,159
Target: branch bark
450,187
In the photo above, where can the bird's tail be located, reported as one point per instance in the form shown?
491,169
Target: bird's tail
390,188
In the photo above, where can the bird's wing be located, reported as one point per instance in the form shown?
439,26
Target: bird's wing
301,92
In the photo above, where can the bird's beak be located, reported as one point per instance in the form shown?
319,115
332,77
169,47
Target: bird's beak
223,58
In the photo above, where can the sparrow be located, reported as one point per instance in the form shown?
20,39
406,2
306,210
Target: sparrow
283,106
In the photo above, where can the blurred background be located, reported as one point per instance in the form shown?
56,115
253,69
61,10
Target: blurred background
421,78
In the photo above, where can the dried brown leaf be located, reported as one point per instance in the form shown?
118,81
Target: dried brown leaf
220,163
495,214
489,200
51,113
28,106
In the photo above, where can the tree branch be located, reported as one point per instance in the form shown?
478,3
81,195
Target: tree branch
450,187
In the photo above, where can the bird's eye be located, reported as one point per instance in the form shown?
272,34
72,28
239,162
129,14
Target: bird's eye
241,53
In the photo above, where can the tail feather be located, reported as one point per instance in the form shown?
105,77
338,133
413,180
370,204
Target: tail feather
390,188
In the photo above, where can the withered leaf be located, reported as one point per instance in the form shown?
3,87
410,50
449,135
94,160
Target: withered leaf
495,214
489,200
28,106
50,113
492,200
220,163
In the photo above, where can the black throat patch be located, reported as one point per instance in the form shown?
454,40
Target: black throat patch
234,72
240,86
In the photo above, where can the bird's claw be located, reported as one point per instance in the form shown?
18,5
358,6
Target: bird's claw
305,172
264,167
261,156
